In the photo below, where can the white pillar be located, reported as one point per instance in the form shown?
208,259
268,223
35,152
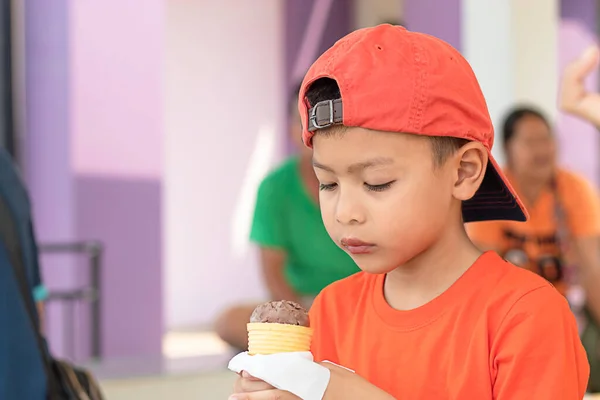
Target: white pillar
512,47
535,29
374,12
223,107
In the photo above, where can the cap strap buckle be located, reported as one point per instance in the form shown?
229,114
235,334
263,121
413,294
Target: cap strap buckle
324,114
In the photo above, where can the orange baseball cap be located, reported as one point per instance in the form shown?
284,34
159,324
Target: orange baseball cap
394,80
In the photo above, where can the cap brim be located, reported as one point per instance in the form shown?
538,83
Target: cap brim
495,200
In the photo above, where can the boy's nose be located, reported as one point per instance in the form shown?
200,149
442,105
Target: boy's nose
349,211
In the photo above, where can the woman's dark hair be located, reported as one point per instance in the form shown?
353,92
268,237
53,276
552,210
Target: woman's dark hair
293,98
514,116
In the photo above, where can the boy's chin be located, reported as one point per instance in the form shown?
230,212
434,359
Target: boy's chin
375,266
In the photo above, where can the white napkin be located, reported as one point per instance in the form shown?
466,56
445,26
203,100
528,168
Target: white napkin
293,372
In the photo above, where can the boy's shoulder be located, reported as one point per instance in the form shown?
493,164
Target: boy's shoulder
510,279
355,283
336,295
494,283
513,289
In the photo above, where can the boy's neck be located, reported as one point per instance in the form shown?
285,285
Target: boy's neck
432,272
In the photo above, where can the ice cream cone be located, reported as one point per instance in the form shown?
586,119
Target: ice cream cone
271,338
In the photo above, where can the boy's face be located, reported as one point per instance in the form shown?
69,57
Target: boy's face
382,199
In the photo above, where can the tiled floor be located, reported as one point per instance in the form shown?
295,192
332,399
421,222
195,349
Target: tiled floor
207,386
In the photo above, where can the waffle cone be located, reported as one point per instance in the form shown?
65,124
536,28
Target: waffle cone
270,338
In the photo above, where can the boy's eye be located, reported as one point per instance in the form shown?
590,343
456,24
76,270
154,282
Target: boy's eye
379,188
327,186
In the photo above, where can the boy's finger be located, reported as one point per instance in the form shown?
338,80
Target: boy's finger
244,385
264,395
246,375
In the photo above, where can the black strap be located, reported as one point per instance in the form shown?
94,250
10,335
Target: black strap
10,239
324,114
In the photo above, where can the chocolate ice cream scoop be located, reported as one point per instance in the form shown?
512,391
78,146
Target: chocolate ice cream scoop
281,312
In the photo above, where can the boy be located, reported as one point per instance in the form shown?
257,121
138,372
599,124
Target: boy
401,138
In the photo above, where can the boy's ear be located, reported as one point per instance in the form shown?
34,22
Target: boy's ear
471,163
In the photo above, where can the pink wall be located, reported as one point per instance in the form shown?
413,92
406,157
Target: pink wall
117,87
223,109
94,159
116,81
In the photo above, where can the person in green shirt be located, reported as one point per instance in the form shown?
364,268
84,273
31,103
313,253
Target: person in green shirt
298,257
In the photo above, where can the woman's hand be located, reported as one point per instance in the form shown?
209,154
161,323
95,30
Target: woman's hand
574,98
343,384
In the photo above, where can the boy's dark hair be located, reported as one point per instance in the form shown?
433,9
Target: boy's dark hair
514,116
327,89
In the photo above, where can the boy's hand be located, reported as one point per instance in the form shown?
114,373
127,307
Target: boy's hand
574,98
246,383
343,384
248,387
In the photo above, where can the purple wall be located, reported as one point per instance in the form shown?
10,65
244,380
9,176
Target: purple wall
444,22
296,16
47,151
583,11
86,114
125,215
117,139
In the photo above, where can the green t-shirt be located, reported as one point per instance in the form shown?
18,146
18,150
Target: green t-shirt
286,217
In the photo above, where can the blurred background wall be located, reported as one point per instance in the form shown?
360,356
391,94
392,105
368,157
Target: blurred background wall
148,126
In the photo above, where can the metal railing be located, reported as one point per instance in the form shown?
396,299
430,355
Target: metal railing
91,293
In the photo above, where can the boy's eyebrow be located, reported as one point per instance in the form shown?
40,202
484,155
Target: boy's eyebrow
356,167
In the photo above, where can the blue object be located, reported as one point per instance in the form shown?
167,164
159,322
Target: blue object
22,374
14,193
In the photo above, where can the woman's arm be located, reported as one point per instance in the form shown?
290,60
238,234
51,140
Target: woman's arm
273,263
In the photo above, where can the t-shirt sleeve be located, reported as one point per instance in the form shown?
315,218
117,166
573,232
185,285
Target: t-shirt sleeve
487,235
267,224
323,342
536,353
582,206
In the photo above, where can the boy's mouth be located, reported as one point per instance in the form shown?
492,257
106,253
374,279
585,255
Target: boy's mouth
356,246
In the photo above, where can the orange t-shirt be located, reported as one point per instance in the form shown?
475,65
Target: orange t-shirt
535,241
499,332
